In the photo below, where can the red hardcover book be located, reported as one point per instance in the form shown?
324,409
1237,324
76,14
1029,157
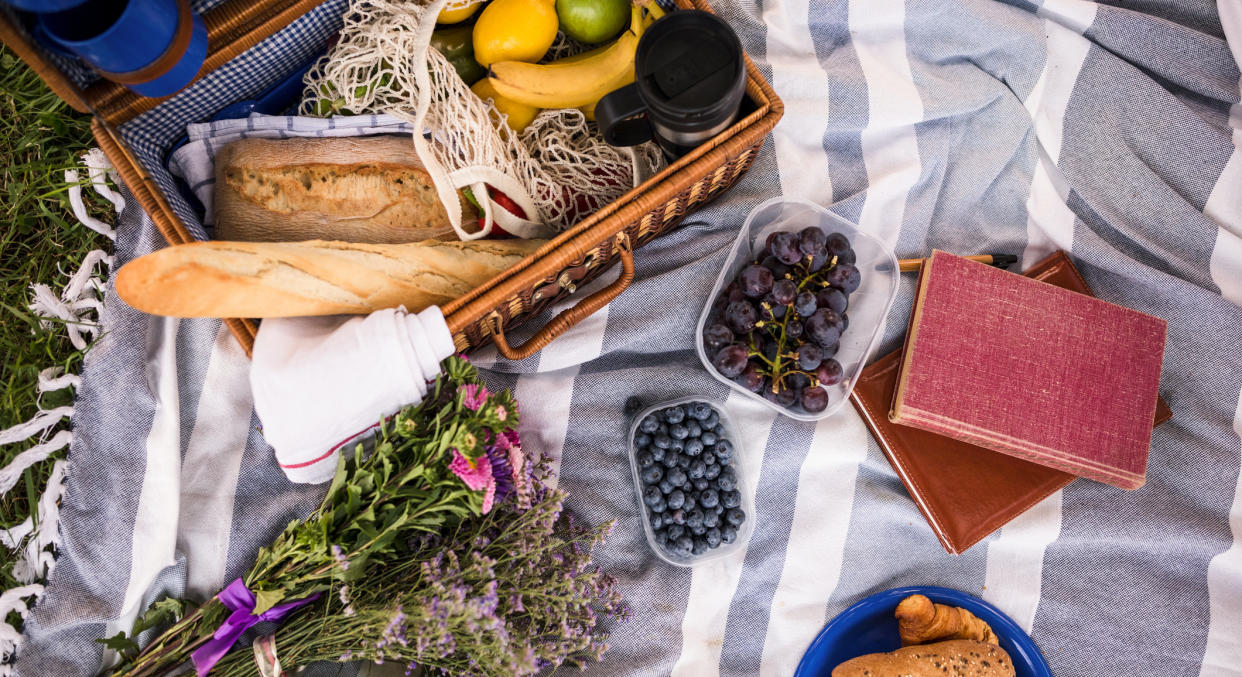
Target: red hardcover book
1031,370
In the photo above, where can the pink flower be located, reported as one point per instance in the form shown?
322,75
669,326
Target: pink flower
476,474
474,396
501,412
489,495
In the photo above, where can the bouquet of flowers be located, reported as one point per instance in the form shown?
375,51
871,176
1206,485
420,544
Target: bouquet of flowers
444,527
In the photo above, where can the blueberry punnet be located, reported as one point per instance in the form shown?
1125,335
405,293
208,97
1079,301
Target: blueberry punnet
685,464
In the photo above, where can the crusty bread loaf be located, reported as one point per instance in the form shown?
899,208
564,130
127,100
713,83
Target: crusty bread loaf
356,189
954,658
258,279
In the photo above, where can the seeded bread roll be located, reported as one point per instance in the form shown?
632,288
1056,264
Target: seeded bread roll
261,279
357,189
955,658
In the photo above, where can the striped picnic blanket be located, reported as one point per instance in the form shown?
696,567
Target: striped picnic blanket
966,125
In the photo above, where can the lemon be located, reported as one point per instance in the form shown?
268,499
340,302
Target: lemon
593,21
519,114
456,15
515,30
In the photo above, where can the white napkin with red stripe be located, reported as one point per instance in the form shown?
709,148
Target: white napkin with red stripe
320,383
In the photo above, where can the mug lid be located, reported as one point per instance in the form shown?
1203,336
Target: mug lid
689,69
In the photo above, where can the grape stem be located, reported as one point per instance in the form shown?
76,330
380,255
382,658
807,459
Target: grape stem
777,374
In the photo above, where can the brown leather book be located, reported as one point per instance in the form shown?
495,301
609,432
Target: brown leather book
966,492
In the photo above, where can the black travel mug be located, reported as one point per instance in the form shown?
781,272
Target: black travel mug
689,77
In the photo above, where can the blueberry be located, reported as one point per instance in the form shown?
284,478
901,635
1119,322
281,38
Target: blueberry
735,516
674,531
708,438
728,534
678,446
659,506
676,498
666,487
651,495
684,546
674,415
700,547
701,484
719,431
700,410
694,428
661,430
678,517
710,518
690,503
732,499
709,498
719,509
727,481
657,454
712,537
708,457
663,441
645,459
694,518
652,474
697,470
698,531
678,431
677,476
684,461
693,447
712,420
642,440
657,522
712,472
649,424
670,459
723,449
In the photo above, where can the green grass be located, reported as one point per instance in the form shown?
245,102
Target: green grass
40,241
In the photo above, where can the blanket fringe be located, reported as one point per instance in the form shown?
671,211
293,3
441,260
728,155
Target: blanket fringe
76,308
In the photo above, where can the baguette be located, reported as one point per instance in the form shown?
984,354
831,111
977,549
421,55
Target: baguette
244,279
954,658
356,189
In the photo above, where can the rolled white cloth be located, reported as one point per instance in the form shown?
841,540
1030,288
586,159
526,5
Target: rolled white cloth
321,382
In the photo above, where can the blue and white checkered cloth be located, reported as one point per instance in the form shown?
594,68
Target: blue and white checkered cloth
966,125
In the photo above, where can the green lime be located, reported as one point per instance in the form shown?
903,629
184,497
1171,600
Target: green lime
592,21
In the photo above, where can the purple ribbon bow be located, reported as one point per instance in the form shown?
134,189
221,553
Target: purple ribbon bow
239,598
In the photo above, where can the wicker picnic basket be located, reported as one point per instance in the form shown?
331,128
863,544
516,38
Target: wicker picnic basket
556,270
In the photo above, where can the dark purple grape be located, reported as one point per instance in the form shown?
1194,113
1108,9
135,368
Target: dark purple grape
834,299
829,372
812,241
847,256
730,360
717,335
774,264
845,322
784,246
805,304
821,327
750,378
756,281
793,329
818,262
837,243
809,356
784,292
774,310
769,348
844,276
814,399
736,294
741,316
797,381
831,350
784,397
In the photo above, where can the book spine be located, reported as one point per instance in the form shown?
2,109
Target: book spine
1017,448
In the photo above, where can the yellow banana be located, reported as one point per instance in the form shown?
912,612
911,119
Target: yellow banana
571,82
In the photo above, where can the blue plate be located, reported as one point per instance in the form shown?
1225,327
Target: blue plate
869,627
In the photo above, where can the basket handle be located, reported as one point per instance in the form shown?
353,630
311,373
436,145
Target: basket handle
569,317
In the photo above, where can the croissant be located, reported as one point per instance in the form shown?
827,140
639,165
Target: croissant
920,621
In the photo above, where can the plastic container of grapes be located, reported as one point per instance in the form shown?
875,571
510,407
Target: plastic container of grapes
743,486
868,305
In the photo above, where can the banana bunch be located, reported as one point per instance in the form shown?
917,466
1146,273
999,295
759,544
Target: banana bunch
578,81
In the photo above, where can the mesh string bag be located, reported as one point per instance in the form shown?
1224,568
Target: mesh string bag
557,171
